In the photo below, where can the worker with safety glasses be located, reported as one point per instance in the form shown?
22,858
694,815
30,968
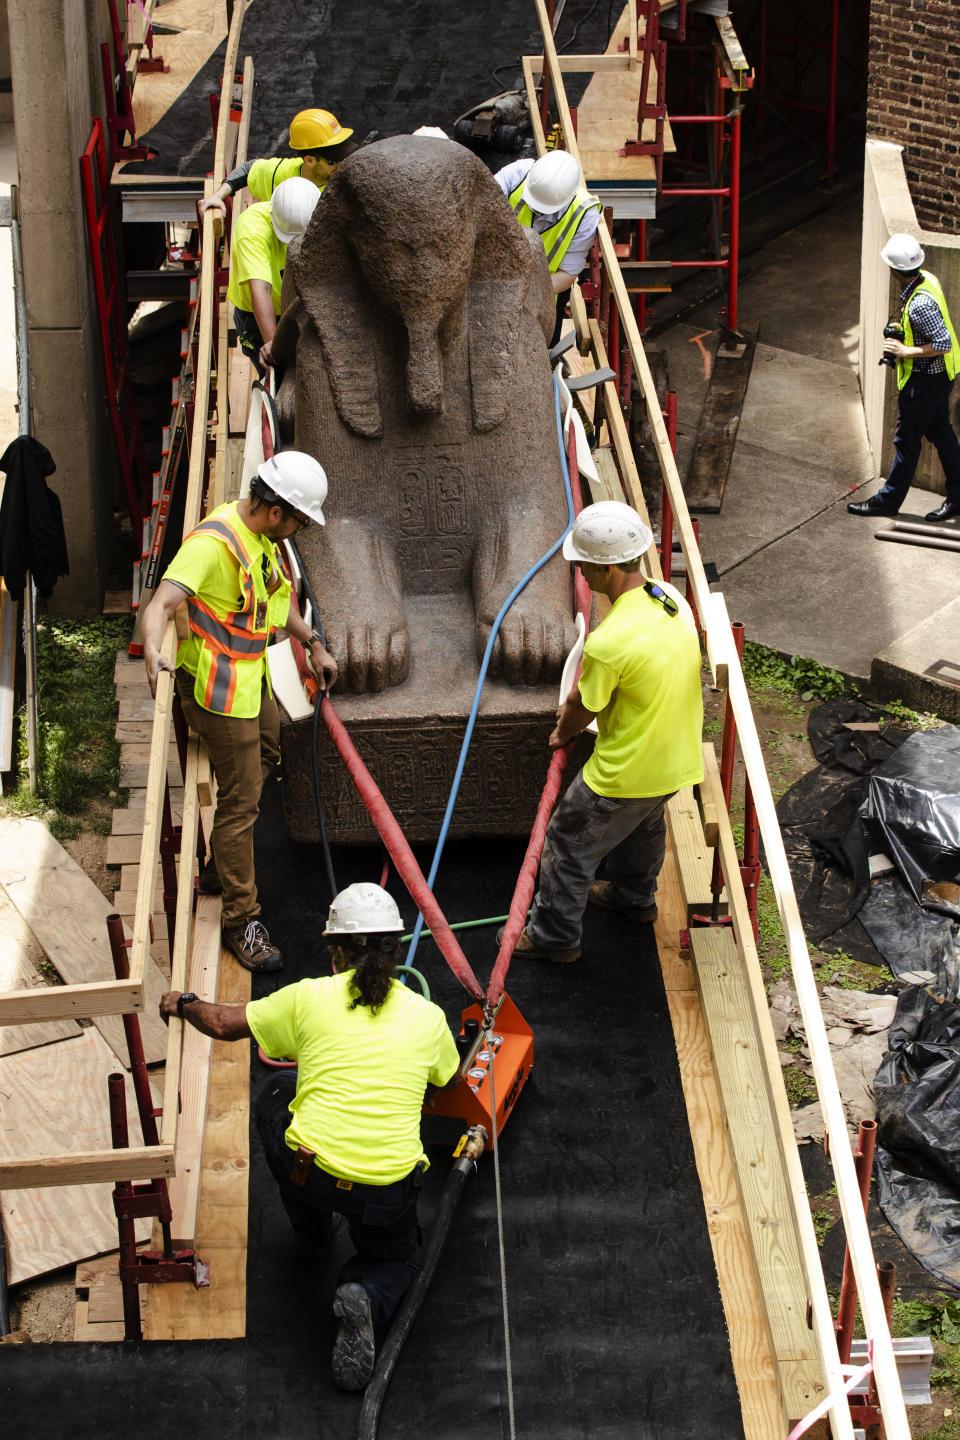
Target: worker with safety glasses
320,141
548,197
258,254
341,1134
640,682
231,576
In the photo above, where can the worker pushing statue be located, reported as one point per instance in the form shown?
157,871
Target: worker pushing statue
230,574
640,681
341,1134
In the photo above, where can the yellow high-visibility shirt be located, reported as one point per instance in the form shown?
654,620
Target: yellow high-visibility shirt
641,677
361,1077
264,176
255,254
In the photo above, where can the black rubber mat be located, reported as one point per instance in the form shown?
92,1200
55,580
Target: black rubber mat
389,68
617,1329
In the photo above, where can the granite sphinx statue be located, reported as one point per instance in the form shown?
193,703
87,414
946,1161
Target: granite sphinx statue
415,311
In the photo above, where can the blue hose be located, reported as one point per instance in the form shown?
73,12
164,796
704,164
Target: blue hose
448,815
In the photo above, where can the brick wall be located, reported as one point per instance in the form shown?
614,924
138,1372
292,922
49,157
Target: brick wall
913,98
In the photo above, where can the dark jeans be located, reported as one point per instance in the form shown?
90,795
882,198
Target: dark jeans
382,1218
248,334
923,413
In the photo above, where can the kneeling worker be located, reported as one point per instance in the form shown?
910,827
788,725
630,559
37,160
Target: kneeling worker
547,197
258,253
342,1134
229,572
320,143
640,680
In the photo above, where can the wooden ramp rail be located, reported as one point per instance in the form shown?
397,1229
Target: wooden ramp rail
117,997
728,973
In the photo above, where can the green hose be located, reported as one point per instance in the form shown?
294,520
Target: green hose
464,925
422,978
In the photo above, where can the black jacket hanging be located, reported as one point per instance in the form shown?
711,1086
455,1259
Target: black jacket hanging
31,521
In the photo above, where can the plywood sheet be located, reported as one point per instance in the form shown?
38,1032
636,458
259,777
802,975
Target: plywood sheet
203,26
55,1102
20,957
67,915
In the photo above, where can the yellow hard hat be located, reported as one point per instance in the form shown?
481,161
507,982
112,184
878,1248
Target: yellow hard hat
315,129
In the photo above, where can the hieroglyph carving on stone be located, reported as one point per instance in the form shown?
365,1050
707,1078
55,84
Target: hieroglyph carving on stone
415,310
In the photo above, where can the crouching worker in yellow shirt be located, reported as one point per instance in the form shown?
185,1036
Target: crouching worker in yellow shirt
342,1133
258,254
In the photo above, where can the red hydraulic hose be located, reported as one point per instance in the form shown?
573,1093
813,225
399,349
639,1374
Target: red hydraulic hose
400,852
523,893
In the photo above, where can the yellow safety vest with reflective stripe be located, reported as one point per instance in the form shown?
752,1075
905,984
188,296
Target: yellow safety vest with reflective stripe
231,667
558,239
264,176
929,285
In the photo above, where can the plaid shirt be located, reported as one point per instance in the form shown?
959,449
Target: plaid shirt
928,329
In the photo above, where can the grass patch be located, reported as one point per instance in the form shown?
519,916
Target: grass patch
765,669
799,1086
78,759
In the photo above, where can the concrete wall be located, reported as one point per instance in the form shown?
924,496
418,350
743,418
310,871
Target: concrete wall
913,98
57,88
887,209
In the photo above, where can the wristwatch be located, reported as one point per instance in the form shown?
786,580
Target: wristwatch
315,638
186,999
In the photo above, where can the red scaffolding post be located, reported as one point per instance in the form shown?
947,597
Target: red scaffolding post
112,324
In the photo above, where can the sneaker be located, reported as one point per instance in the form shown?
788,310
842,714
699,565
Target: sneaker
354,1350
250,944
210,882
532,951
602,894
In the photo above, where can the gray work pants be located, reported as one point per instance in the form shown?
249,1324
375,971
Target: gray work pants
622,840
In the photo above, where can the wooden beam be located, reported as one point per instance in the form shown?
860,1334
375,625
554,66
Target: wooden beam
76,1002
89,1167
719,423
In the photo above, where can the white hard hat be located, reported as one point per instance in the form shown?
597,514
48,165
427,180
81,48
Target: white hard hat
291,206
363,909
297,479
608,533
432,130
552,181
902,252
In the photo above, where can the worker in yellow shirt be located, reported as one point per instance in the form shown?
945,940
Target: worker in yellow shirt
320,141
230,573
258,253
341,1134
640,681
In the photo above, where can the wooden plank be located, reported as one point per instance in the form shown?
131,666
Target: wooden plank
80,1002
694,857
609,486
132,706
88,1167
67,915
20,957
137,773
136,732
53,1096
195,1064
180,1312
607,115
750,1350
221,479
719,423
123,849
755,1147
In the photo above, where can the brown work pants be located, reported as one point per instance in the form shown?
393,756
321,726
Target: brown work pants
242,754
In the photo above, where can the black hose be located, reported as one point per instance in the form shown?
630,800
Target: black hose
410,1306
321,697
318,626
4,1296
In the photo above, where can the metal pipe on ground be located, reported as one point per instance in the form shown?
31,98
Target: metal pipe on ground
917,527
929,542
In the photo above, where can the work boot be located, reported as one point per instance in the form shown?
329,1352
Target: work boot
210,882
530,950
602,894
354,1350
250,944
873,506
